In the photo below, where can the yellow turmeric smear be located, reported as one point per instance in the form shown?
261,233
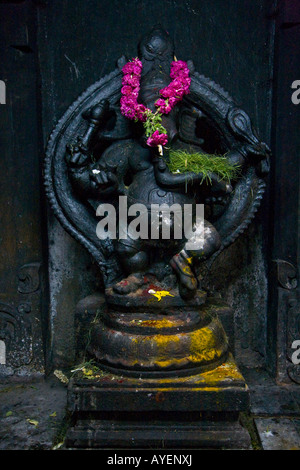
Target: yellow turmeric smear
204,346
161,323
160,293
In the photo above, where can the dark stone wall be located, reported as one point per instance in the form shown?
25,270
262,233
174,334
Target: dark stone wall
75,43
23,247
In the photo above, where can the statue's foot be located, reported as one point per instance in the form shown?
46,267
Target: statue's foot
187,281
129,284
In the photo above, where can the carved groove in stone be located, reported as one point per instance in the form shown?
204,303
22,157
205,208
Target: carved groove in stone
8,322
29,278
286,274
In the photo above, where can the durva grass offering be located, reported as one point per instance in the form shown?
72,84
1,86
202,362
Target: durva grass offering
184,162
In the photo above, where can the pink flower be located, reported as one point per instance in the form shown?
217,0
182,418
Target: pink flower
163,106
128,112
128,106
177,84
167,92
127,69
141,112
128,101
131,80
136,70
172,101
126,90
171,94
135,92
137,63
160,102
182,74
177,67
133,67
177,88
157,139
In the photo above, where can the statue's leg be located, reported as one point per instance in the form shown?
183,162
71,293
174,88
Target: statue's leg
134,262
201,245
182,265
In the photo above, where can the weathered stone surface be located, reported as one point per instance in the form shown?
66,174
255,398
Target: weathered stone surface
150,343
31,413
198,411
273,401
163,435
278,434
86,311
268,398
220,390
93,309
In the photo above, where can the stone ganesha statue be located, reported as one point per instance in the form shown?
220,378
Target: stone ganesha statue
132,167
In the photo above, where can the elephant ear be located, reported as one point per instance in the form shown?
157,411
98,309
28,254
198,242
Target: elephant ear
233,129
78,219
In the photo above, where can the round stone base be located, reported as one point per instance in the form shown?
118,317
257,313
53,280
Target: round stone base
174,339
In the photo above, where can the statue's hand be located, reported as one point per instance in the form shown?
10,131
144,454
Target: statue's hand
103,180
219,191
77,154
219,187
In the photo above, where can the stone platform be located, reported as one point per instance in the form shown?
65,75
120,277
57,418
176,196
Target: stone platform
195,411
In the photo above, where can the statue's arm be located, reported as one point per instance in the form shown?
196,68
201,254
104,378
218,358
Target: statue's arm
174,181
89,181
102,178
89,178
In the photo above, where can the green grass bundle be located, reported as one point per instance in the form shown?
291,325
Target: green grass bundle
184,162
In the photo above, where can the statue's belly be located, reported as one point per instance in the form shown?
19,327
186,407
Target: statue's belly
145,190
164,222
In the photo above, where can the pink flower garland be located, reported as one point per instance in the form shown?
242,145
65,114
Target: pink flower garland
171,95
